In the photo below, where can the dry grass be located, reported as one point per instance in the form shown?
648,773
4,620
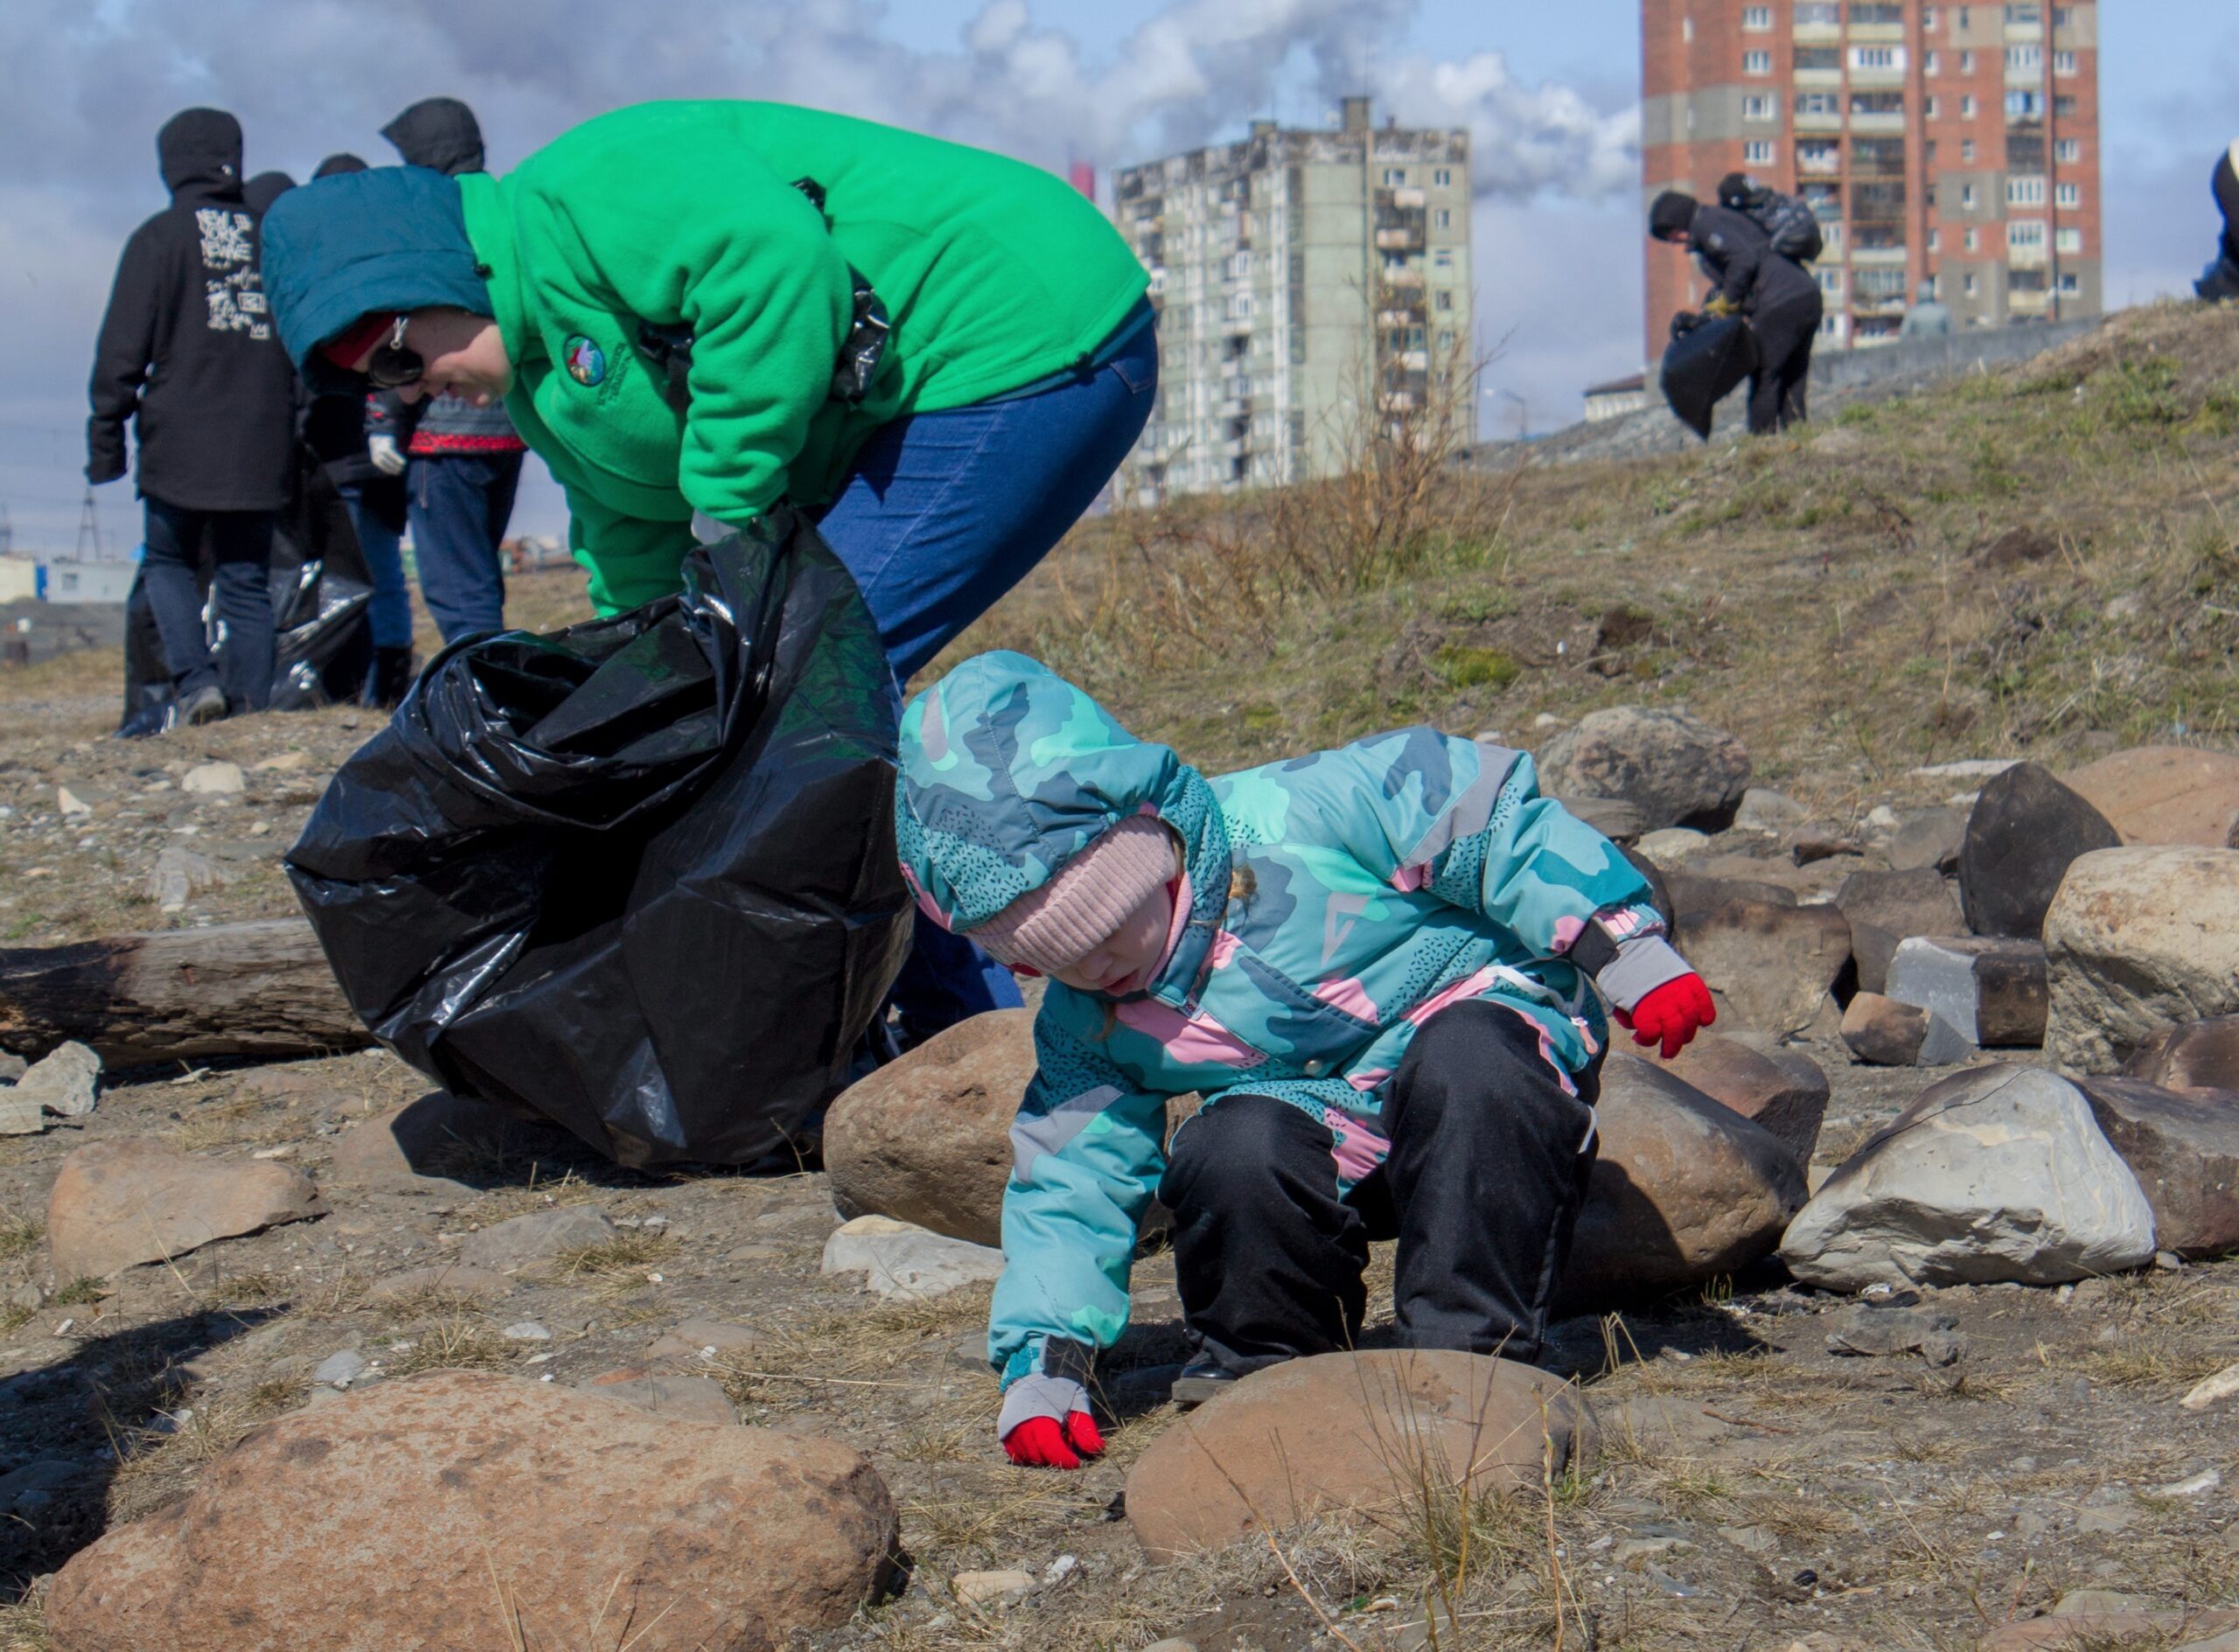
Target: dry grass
246,1120
456,1343
19,1235
23,1626
160,1467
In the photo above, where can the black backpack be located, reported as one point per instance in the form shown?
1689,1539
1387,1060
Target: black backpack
1788,221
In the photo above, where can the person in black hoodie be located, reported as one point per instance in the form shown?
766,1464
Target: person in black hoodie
1779,296
188,355
466,460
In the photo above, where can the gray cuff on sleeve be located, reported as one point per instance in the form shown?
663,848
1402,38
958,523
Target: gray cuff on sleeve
1643,963
1058,1397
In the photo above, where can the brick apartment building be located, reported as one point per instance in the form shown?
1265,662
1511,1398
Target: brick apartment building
1958,144
1293,269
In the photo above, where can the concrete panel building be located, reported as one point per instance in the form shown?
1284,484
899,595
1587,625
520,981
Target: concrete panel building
1297,274
1952,144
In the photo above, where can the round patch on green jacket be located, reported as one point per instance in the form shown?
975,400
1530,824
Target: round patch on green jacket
585,361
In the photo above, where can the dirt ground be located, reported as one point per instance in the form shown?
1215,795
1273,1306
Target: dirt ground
1754,1489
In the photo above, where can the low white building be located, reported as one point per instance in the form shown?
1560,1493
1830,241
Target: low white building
61,581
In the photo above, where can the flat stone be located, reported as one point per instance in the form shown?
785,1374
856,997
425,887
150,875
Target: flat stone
458,1278
1994,991
526,1331
698,1339
2211,1389
926,1140
1771,812
1693,895
131,1200
688,1399
65,1082
433,1511
2023,834
340,1369
2164,794
213,780
1675,768
1772,964
1926,838
537,1237
991,1588
1684,1190
179,874
901,1261
1672,848
2197,1056
2091,1631
1996,1174
1351,1432
2183,1147
2139,941
1884,908
1780,1091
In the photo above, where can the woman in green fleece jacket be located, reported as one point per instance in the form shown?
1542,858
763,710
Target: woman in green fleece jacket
694,311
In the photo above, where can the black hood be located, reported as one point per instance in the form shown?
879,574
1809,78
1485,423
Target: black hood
260,192
201,148
338,163
439,133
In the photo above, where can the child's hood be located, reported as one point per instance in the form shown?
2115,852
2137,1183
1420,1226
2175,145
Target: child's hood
1009,771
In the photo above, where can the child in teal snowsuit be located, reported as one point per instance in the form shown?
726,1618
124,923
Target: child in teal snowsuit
1372,963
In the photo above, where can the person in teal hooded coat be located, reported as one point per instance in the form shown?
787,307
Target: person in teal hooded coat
1377,966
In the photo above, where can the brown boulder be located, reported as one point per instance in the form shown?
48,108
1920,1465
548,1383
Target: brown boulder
1684,1190
1772,964
115,1203
462,1508
1883,1033
1780,1091
2183,1147
2196,1055
2164,794
1356,1431
926,1140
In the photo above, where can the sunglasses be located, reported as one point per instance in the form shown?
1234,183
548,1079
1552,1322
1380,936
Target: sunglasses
394,364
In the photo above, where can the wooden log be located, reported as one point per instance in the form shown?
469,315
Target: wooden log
233,989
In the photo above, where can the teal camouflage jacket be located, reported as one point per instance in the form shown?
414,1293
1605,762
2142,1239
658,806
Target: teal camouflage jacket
1329,906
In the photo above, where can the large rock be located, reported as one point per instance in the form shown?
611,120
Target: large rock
2024,832
65,1082
1928,838
1684,1190
1992,991
437,1142
1771,965
2183,1147
1884,1033
2164,794
2198,1055
1884,908
1349,1431
926,1139
2140,940
903,1263
1779,1091
131,1200
1675,768
1995,1173
462,1508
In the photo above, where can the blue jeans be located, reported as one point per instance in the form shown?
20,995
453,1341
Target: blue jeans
459,504
390,611
240,543
942,512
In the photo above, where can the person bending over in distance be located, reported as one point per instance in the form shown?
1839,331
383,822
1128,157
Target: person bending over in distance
1376,964
1780,297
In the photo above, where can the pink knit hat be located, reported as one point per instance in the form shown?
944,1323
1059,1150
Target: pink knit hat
1069,916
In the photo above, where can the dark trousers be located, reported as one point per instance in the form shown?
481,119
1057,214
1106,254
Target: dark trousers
1784,335
240,544
1487,1168
459,504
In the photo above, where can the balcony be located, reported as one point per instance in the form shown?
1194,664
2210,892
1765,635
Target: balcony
1410,199
1400,240
1891,123
1403,280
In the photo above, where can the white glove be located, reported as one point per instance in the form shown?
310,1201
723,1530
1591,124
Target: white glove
387,458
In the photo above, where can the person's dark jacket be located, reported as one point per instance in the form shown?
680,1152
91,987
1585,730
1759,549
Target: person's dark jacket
187,352
1738,255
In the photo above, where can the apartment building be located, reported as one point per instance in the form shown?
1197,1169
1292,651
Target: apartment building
1952,144
1298,274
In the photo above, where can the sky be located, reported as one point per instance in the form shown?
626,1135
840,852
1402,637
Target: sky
1549,92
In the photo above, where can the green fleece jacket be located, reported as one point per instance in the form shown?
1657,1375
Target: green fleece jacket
995,274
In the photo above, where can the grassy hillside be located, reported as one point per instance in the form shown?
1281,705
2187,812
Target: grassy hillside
2041,562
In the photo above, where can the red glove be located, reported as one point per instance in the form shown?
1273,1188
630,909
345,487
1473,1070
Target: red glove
1672,1014
1043,1442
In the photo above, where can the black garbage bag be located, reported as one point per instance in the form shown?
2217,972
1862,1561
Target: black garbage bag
323,638
1703,363
639,877
2220,280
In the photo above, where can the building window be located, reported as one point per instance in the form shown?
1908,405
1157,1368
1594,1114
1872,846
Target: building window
1967,106
1442,258
1756,63
1442,218
1970,286
1928,18
1933,63
1824,58
2025,59
1443,178
1885,13
1818,14
1935,241
2063,17
1974,241
1240,306
1761,109
1687,30
2023,105
1758,152
1239,264
2069,151
1442,299
2025,234
2024,14
2025,192
1966,59
2071,283
1757,19
1876,57
1395,177
2068,242
1967,150
1966,196
1934,108
2064,105
2063,63
2068,196
1810,103
1831,282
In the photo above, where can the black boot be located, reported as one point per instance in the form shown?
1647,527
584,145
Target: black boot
391,675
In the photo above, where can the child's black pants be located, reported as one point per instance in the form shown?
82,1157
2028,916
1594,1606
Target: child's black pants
1488,1167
